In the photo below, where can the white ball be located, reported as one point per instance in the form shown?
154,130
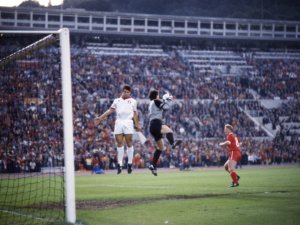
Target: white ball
167,96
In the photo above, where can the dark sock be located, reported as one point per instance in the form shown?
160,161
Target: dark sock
170,138
156,157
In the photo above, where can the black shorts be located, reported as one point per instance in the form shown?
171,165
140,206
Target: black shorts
155,129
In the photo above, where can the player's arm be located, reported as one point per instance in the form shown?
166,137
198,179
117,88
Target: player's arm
162,104
229,140
104,115
136,121
225,143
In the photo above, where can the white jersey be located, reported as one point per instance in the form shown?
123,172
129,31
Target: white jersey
124,108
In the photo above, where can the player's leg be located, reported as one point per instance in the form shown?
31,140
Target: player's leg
226,165
169,133
120,149
155,130
130,151
128,134
156,155
170,136
231,168
158,151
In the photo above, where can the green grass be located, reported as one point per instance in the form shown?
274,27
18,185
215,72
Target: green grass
265,196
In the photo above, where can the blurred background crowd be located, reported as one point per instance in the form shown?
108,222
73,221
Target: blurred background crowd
255,92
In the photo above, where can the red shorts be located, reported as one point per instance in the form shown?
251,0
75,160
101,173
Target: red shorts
235,155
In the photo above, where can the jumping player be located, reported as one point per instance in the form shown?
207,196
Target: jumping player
234,154
157,128
126,114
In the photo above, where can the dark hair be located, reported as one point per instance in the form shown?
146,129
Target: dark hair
126,87
153,94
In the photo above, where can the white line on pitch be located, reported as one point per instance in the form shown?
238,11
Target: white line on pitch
21,214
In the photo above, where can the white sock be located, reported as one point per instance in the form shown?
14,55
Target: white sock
120,155
130,154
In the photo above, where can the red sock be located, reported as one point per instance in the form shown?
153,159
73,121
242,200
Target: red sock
234,177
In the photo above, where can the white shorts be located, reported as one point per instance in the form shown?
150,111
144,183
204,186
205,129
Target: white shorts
124,127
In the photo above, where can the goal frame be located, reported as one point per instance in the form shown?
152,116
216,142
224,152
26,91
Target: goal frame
65,56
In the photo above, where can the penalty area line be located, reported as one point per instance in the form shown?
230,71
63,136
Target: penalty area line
24,215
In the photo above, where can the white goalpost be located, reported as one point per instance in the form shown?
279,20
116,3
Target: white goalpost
68,145
68,125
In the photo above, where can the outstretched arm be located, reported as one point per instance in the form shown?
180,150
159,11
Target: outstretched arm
225,143
163,104
104,115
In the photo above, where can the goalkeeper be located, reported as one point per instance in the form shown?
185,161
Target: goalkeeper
157,128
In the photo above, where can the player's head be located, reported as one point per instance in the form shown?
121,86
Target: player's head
127,88
228,128
126,91
153,94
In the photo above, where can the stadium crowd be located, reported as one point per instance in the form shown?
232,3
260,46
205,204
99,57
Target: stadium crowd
31,110
277,78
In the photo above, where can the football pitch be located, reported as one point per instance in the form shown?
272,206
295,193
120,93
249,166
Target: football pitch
265,196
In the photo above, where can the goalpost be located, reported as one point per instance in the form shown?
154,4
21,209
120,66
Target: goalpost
14,154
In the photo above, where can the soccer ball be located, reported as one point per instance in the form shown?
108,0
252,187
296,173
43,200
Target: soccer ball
167,97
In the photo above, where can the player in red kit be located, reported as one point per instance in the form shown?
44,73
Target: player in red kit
234,154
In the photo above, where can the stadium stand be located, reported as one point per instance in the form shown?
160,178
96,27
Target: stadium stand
210,91
216,62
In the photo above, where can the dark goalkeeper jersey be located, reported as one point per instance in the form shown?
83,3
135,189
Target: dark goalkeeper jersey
157,107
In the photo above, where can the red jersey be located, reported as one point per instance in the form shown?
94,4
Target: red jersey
234,143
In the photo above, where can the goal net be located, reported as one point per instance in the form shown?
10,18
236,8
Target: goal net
36,140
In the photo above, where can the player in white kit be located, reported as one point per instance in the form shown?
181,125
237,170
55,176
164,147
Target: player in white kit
126,117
